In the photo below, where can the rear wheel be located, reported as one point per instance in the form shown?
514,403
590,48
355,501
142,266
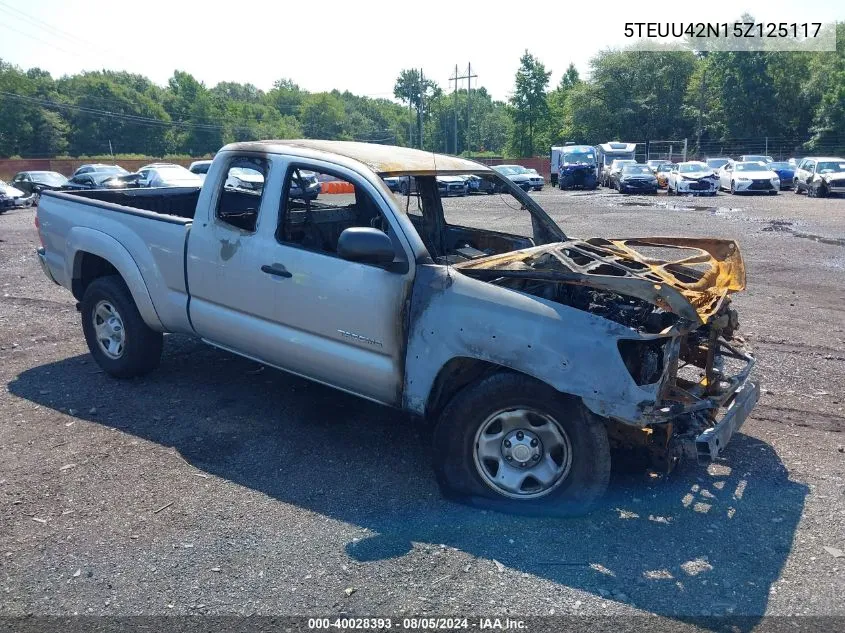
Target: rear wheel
119,340
513,444
733,188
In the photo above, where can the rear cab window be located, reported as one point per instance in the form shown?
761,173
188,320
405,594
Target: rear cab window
241,192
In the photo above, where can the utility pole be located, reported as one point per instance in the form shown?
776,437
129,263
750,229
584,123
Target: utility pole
419,111
469,99
701,94
455,109
469,77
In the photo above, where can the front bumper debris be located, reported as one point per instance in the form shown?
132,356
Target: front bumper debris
712,442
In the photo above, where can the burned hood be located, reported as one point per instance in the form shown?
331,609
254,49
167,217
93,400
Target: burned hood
689,277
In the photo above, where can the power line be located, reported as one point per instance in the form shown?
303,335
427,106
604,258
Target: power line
56,32
38,39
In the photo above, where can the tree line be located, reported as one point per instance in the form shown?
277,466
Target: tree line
628,95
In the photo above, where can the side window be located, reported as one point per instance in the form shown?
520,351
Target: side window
810,166
317,207
241,192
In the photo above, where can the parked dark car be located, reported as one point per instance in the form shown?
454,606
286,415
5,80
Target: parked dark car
34,182
785,172
99,168
126,181
636,179
89,180
393,183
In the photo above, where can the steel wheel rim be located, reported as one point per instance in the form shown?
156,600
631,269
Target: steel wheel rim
108,329
522,453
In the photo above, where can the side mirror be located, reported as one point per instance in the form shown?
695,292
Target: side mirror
365,245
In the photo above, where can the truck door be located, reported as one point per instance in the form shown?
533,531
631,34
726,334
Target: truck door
266,280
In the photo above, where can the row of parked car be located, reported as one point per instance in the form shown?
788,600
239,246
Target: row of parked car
464,185
26,186
818,176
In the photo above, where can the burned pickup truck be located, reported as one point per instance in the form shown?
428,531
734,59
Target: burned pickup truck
534,353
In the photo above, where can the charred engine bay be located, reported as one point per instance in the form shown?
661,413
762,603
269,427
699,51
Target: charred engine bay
623,309
628,311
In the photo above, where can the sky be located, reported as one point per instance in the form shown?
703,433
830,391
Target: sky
357,46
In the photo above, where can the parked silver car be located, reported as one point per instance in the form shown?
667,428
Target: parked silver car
525,179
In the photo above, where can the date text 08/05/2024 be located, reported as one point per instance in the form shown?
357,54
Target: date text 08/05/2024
723,29
411,624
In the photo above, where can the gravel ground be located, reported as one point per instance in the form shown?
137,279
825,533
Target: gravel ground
214,486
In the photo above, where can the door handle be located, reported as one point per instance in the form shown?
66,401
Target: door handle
276,270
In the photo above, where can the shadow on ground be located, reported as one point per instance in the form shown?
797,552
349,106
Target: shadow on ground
704,541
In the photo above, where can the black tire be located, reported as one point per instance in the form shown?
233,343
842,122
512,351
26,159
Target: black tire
141,351
454,447
733,188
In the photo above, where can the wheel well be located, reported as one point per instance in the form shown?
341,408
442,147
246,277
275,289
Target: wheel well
89,268
454,376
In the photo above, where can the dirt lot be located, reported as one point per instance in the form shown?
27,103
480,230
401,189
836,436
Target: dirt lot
215,486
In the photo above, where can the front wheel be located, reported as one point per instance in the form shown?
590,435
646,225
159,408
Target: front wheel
733,188
119,340
513,444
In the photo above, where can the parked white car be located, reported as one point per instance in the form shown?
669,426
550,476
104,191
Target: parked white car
167,175
692,177
249,179
526,179
747,177
200,168
755,158
11,197
820,176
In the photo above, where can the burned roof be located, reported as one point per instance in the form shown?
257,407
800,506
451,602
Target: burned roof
384,160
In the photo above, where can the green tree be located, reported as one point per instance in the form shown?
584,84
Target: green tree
414,90
557,102
528,103
322,116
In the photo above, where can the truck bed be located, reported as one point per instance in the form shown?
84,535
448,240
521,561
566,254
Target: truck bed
177,201
142,233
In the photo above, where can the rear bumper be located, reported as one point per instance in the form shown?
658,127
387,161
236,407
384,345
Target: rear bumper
42,259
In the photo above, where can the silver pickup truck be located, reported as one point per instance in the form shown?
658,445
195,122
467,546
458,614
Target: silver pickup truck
535,354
